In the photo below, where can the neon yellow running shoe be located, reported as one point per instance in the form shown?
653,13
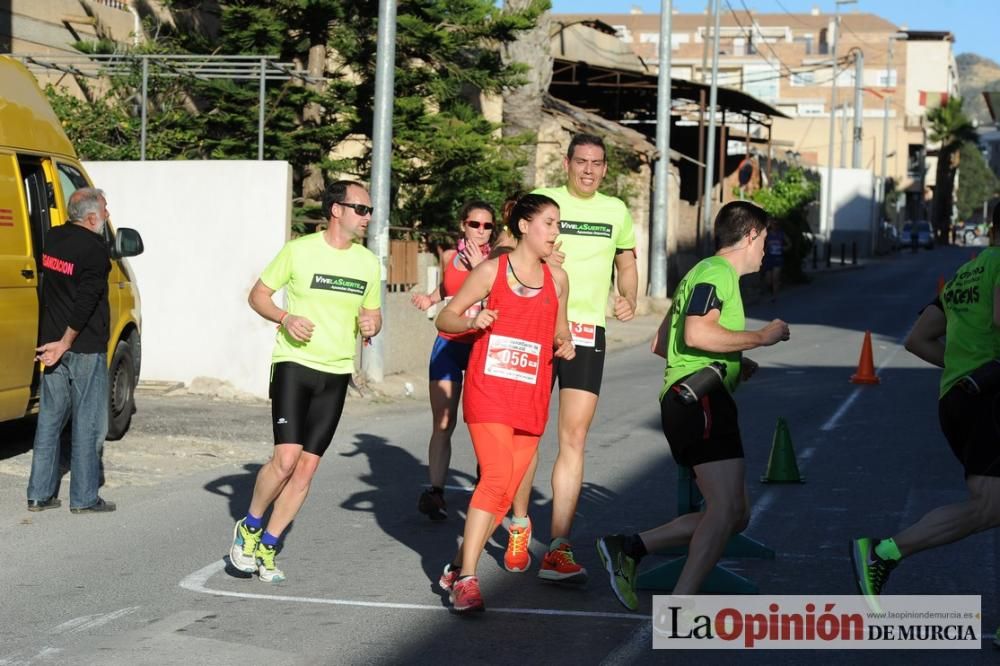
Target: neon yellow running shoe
269,572
245,541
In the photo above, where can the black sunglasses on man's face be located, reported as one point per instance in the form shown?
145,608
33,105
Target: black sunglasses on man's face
360,209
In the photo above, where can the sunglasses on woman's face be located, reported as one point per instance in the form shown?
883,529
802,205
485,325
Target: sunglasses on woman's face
475,224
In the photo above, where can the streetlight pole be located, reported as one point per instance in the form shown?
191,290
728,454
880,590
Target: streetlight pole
658,240
713,99
828,217
373,361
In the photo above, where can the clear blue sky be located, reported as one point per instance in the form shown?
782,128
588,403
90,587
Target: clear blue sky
975,23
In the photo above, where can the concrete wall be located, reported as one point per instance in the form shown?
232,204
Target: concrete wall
853,208
209,229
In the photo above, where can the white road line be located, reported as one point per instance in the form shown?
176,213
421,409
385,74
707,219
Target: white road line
87,622
196,582
837,415
633,648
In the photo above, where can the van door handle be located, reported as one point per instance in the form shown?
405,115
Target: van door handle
28,273
121,285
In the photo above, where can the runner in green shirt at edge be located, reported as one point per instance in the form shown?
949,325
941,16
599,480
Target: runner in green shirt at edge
967,316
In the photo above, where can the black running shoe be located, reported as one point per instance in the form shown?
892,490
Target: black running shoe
432,505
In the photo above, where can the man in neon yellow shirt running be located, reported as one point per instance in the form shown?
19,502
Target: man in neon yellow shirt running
333,289
967,316
596,237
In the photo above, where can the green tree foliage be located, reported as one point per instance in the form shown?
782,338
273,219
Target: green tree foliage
976,182
952,128
444,151
787,200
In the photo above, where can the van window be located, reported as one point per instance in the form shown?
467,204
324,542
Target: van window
71,180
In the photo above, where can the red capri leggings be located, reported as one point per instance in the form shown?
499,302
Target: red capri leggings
504,455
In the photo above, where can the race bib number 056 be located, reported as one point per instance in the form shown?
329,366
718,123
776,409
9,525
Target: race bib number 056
512,358
584,335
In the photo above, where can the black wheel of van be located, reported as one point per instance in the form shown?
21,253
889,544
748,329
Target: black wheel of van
121,389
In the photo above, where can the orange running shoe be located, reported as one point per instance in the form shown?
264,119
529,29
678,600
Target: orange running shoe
466,597
558,566
517,558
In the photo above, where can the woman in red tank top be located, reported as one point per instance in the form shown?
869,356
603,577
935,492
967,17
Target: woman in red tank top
509,378
450,353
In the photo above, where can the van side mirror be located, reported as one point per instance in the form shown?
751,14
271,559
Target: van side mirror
128,243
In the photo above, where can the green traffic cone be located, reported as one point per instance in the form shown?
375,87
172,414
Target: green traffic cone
781,465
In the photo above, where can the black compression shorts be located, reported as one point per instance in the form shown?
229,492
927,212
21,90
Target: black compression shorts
306,405
704,431
586,369
971,423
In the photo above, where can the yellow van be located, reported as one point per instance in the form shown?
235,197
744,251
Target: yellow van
39,170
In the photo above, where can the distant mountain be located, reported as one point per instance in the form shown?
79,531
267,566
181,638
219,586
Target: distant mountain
976,74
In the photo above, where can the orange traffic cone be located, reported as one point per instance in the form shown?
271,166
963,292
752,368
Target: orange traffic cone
866,367
781,465
940,284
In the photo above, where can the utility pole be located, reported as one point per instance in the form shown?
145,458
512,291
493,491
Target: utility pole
373,358
843,136
658,238
713,99
828,217
859,71
890,83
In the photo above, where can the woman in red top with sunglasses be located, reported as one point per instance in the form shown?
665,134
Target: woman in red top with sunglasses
450,354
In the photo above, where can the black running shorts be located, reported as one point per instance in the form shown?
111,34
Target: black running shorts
704,431
306,405
586,369
971,423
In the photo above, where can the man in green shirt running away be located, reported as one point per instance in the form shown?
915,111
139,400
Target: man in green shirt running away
703,335
967,316
333,290
595,239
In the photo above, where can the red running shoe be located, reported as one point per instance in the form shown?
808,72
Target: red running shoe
465,596
449,576
558,566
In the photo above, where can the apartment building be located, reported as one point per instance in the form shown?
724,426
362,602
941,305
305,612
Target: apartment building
785,60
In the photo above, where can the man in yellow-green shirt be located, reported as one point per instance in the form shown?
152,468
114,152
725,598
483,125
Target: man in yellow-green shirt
596,239
333,291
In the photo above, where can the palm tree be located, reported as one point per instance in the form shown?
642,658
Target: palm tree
952,128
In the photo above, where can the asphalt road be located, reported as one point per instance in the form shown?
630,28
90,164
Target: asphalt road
147,584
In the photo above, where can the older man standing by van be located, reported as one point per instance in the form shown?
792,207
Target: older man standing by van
73,341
